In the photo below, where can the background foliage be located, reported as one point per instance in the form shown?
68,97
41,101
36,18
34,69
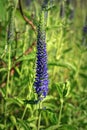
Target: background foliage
64,108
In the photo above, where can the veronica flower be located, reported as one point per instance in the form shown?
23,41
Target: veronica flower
62,10
71,14
85,29
84,38
69,9
68,2
28,2
41,80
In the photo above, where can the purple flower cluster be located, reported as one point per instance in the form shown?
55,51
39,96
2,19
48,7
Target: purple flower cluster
85,29
62,10
85,26
68,2
66,10
41,80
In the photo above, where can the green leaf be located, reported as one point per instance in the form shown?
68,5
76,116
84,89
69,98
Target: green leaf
66,89
51,107
63,64
32,119
84,67
3,69
23,124
2,127
60,91
67,50
29,57
83,75
13,120
54,127
49,98
15,100
68,127
64,127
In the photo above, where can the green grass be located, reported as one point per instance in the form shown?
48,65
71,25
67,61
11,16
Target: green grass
64,108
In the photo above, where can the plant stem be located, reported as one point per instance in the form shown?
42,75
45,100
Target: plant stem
60,113
24,112
9,66
8,80
39,118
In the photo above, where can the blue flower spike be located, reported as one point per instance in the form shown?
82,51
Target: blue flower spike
41,80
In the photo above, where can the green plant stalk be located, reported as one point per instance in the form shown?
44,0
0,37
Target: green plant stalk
23,115
60,113
9,42
39,118
78,69
24,112
9,67
8,80
59,50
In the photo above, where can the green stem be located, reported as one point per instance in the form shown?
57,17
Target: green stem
9,66
23,115
8,80
39,118
60,113
24,112
78,69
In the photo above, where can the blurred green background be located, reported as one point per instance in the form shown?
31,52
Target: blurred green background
64,108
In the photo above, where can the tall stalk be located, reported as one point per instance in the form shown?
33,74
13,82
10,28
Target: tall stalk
60,113
8,81
39,117
10,40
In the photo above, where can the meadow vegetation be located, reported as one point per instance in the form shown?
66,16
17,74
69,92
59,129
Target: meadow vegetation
65,106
